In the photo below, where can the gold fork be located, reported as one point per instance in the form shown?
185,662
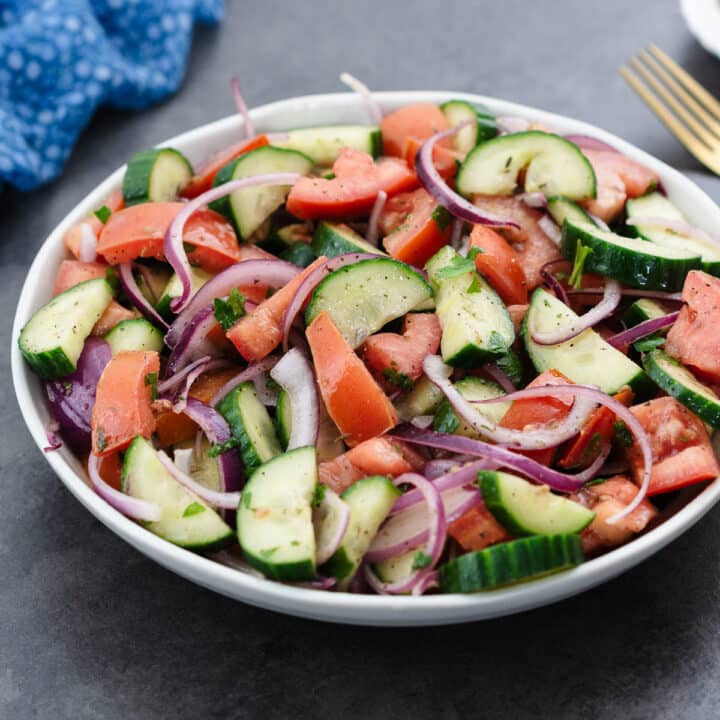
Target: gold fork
696,119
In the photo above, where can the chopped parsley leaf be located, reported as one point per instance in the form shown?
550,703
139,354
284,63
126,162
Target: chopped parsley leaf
623,435
151,379
228,312
401,380
581,255
193,509
420,560
318,495
220,448
103,214
101,440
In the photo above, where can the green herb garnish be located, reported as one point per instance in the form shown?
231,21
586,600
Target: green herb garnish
103,214
193,509
581,255
228,312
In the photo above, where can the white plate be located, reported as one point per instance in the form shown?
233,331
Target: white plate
340,607
703,19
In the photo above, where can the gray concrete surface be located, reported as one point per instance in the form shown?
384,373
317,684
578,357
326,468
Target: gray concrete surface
91,629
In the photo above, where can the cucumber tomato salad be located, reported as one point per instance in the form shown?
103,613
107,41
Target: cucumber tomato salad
439,352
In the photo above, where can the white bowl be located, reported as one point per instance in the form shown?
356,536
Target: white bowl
703,19
340,607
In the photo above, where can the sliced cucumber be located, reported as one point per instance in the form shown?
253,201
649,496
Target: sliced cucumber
329,517
323,144
136,334
482,125
396,569
476,326
54,336
423,399
299,254
155,176
362,297
370,501
642,310
678,382
332,239
524,508
552,165
632,261
250,207
471,388
173,289
153,281
186,519
274,520
287,235
250,423
562,209
511,562
283,418
586,358
655,205
199,465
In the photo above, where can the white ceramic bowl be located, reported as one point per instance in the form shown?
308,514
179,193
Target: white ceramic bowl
340,607
703,19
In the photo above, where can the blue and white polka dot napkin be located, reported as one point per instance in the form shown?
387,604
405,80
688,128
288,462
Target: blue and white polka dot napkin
61,59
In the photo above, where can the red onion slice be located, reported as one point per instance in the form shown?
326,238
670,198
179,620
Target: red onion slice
676,226
181,399
502,457
648,327
295,376
612,294
364,92
309,284
51,433
588,142
330,520
127,280
456,234
88,243
439,189
173,245
268,396
535,439
172,382
248,126
534,199
126,504
371,235
499,377
552,282
249,373
409,529
274,273
194,343
436,534
551,229
225,500
508,124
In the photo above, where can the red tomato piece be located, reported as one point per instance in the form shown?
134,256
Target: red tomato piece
477,529
417,122
73,272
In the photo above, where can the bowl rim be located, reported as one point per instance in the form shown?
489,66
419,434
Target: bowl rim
344,607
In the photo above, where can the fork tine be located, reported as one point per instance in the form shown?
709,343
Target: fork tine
688,80
705,134
693,105
695,146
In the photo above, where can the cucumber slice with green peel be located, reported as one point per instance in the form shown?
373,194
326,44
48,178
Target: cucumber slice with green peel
250,207
423,399
174,287
186,519
678,382
155,176
396,569
53,338
586,358
283,418
552,165
482,125
288,235
471,388
274,519
512,562
654,205
200,465
476,326
362,297
153,281
562,208
136,334
323,144
632,261
299,254
251,425
370,501
640,311
525,508
332,239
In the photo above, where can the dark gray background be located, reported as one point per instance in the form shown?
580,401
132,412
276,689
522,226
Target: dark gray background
91,629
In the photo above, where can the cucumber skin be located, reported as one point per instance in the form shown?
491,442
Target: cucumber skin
647,273
136,181
301,571
326,241
282,418
702,407
510,563
299,254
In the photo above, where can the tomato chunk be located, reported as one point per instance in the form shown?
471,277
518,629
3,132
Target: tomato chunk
353,399
500,265
694,338
444,159
421,227
377,456
122,403
203,180
353,190
401,356
681,449
532,411
114,313
73,272
477,529
414,122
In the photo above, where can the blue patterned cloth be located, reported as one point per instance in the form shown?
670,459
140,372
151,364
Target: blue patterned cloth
61,59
